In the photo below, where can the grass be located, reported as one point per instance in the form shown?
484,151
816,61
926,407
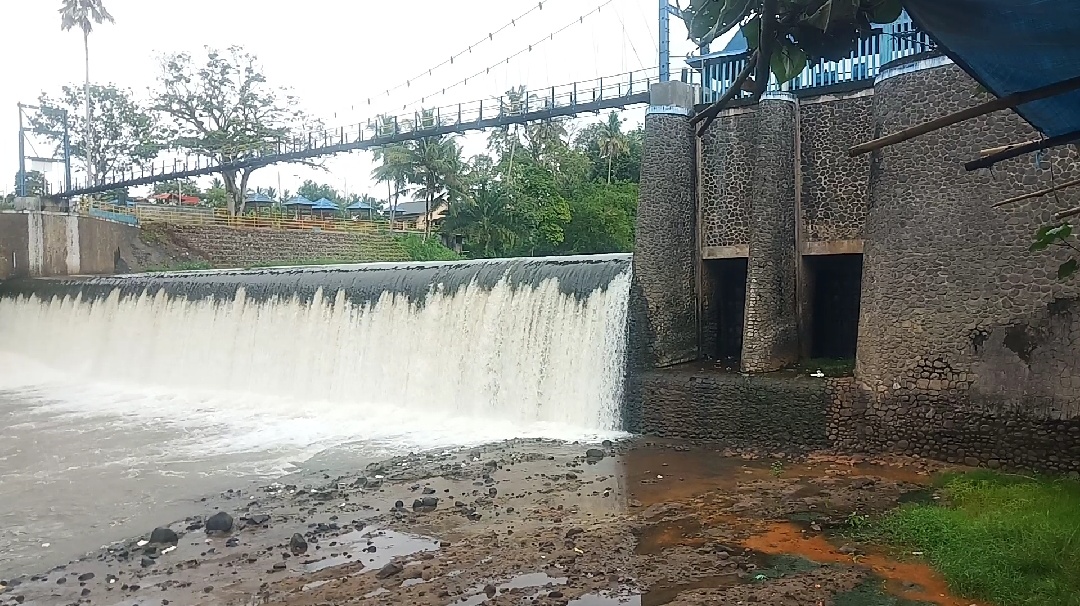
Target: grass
313,261
1005,539
431,249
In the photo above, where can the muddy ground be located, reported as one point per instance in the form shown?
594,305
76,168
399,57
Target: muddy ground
530,522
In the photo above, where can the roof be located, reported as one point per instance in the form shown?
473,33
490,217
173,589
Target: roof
410,208
324,204
1012,46
736,46
298,201
359,205
258,198
189,200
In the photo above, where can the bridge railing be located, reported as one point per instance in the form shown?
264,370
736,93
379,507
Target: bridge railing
893,41
143,214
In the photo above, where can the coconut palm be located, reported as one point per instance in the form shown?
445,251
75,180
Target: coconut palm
438,173
84,14
612,141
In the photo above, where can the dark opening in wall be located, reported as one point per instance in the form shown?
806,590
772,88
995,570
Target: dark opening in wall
725,308
835,284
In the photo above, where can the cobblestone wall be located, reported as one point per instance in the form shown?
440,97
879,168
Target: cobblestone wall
834,185
781,410
727,175
968,344
770,333
664,297
230,247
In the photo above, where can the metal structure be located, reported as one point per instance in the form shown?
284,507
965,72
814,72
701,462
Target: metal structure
591,96
893,41
65,148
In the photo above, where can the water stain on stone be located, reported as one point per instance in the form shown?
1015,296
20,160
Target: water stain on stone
908,580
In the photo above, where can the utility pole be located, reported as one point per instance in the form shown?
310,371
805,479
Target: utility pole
665,40
20,189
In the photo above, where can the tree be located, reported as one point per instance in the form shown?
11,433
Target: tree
624,166
602,219
121,133
224,109
36,184
396,170
84,14
437,173
215,195
486,220
784,35
187,187
613,143
314,191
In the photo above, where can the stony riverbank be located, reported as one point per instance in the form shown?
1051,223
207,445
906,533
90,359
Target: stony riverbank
526,522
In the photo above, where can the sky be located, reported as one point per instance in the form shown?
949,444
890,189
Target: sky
334,55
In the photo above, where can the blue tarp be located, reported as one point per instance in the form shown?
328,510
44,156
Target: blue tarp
1012,46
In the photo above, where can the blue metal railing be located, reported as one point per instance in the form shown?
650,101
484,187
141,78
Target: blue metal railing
893,41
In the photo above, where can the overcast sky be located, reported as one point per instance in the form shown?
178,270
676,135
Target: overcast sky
334,54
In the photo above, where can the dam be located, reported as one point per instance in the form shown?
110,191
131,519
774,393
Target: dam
137,393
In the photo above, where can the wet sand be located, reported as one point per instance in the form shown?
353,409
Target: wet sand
529,522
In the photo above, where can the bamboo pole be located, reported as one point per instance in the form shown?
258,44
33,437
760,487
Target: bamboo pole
1038,194
982,109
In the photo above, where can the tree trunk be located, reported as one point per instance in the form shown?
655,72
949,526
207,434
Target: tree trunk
229,177
391,201
242,200
427,211
609,169
86,93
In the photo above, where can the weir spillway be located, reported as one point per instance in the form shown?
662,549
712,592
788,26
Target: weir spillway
538,340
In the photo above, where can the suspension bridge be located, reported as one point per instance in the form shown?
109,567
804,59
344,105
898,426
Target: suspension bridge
712,72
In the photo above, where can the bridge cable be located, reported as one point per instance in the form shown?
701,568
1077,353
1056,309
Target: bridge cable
490,36
524,50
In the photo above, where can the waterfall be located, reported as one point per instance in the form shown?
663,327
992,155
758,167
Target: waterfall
519,341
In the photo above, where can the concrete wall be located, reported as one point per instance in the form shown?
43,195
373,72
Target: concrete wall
230,247
59,244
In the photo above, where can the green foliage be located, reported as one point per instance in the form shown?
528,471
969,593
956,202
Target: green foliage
180,266
122,133
83,14
223,108
1007,539
429,249
36,184
314,191
798,30
1057,235
602,219
187,188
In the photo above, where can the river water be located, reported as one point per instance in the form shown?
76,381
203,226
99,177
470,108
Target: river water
123,401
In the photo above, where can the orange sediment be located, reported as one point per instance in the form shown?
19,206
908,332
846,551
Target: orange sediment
909,580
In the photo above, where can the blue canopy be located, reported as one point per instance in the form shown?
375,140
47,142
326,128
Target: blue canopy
1012,46
324,204
359,205
299,201
258,198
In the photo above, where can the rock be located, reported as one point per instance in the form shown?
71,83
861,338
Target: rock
429,490
399,504
298,544
86,576
848,550
607,444
389,570
493,491
147,562
258,519
163,535
594,453
971,461
489,590
61,580
573,532
425,504
555,594
279,566
219,522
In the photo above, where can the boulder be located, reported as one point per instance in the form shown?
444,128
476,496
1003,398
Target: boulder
219,522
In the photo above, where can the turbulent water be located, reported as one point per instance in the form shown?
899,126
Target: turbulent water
124,398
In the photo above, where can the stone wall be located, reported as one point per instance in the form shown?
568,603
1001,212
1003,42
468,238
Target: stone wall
231,247
834,185
968,343
697,402
664,302
770,329
727,174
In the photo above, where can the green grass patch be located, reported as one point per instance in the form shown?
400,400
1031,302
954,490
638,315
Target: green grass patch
1006,539
313,261
431,249
844,367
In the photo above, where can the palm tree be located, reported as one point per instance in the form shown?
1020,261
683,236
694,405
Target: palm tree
612,141
84,14
486,220
438,173
396,169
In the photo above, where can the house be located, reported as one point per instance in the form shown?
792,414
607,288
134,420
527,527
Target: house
410,212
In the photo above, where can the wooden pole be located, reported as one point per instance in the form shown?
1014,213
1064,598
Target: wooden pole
982,109
1019,149
713,110
1038,194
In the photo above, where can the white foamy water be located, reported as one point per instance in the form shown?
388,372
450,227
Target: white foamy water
127,405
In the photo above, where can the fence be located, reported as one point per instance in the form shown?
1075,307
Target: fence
138,215
893,41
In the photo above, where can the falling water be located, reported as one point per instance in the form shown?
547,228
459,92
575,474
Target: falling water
154,385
